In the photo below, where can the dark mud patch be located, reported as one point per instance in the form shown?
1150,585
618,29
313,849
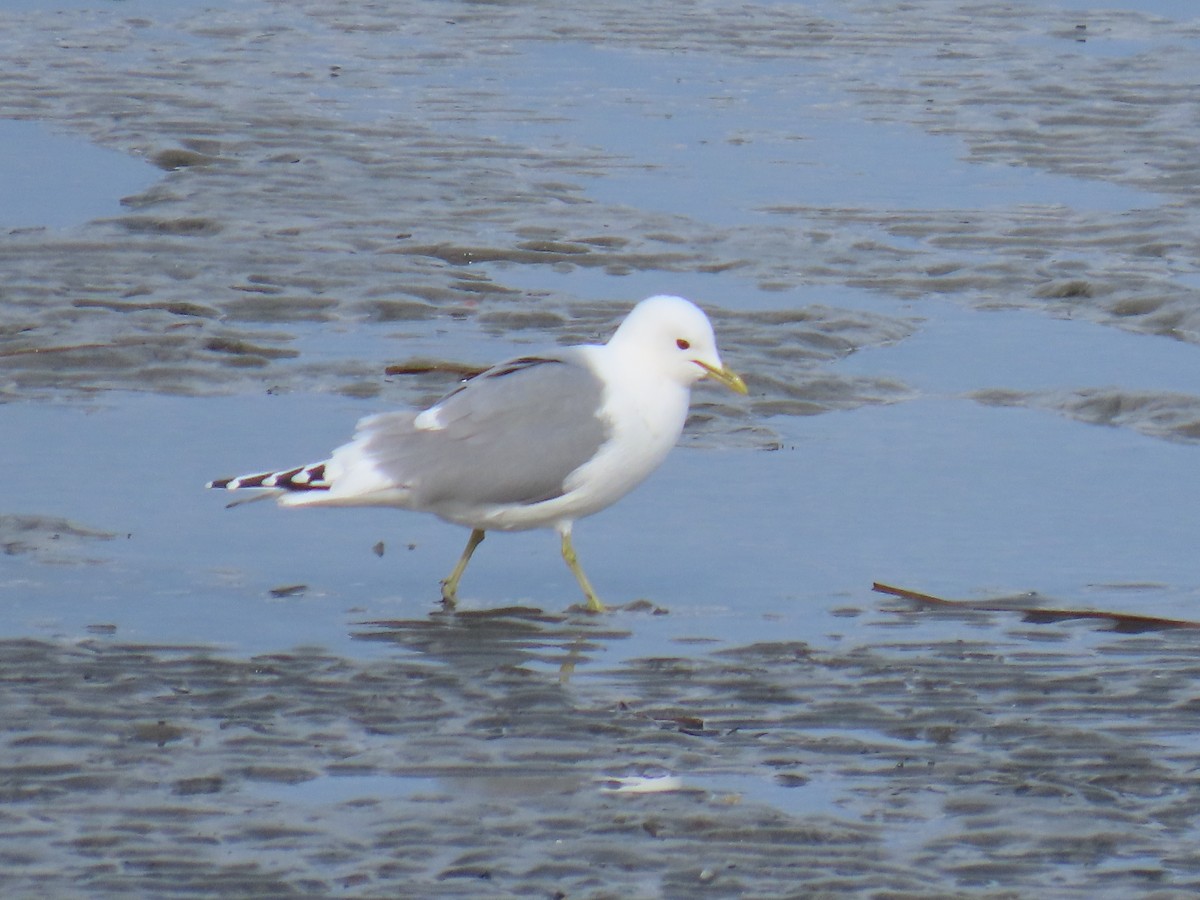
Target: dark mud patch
467,766
304,200
48,539
1171,416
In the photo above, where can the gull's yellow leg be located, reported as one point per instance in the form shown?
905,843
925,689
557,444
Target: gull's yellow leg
450,584
568,554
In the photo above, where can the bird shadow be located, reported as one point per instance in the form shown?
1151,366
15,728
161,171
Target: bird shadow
507,638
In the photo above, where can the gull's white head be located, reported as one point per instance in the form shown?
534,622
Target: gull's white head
674,336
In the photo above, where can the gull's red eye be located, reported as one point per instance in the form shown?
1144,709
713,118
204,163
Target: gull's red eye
682,344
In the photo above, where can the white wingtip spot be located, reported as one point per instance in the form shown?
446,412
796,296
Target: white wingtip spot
428,420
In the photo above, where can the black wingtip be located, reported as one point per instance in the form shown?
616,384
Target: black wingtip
303,478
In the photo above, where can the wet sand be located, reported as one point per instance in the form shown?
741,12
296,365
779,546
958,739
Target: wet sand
882,771
952,250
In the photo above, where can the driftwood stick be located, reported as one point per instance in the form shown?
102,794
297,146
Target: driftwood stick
1129,623
425,367
915,596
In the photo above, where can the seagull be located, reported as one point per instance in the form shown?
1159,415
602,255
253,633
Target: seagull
534,442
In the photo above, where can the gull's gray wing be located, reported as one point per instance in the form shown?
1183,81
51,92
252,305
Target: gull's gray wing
510,435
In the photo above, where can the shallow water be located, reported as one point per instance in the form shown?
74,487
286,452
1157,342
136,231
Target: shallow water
51,180
952,250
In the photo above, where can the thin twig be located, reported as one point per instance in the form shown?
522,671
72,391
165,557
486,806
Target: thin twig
1131,623
425,367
